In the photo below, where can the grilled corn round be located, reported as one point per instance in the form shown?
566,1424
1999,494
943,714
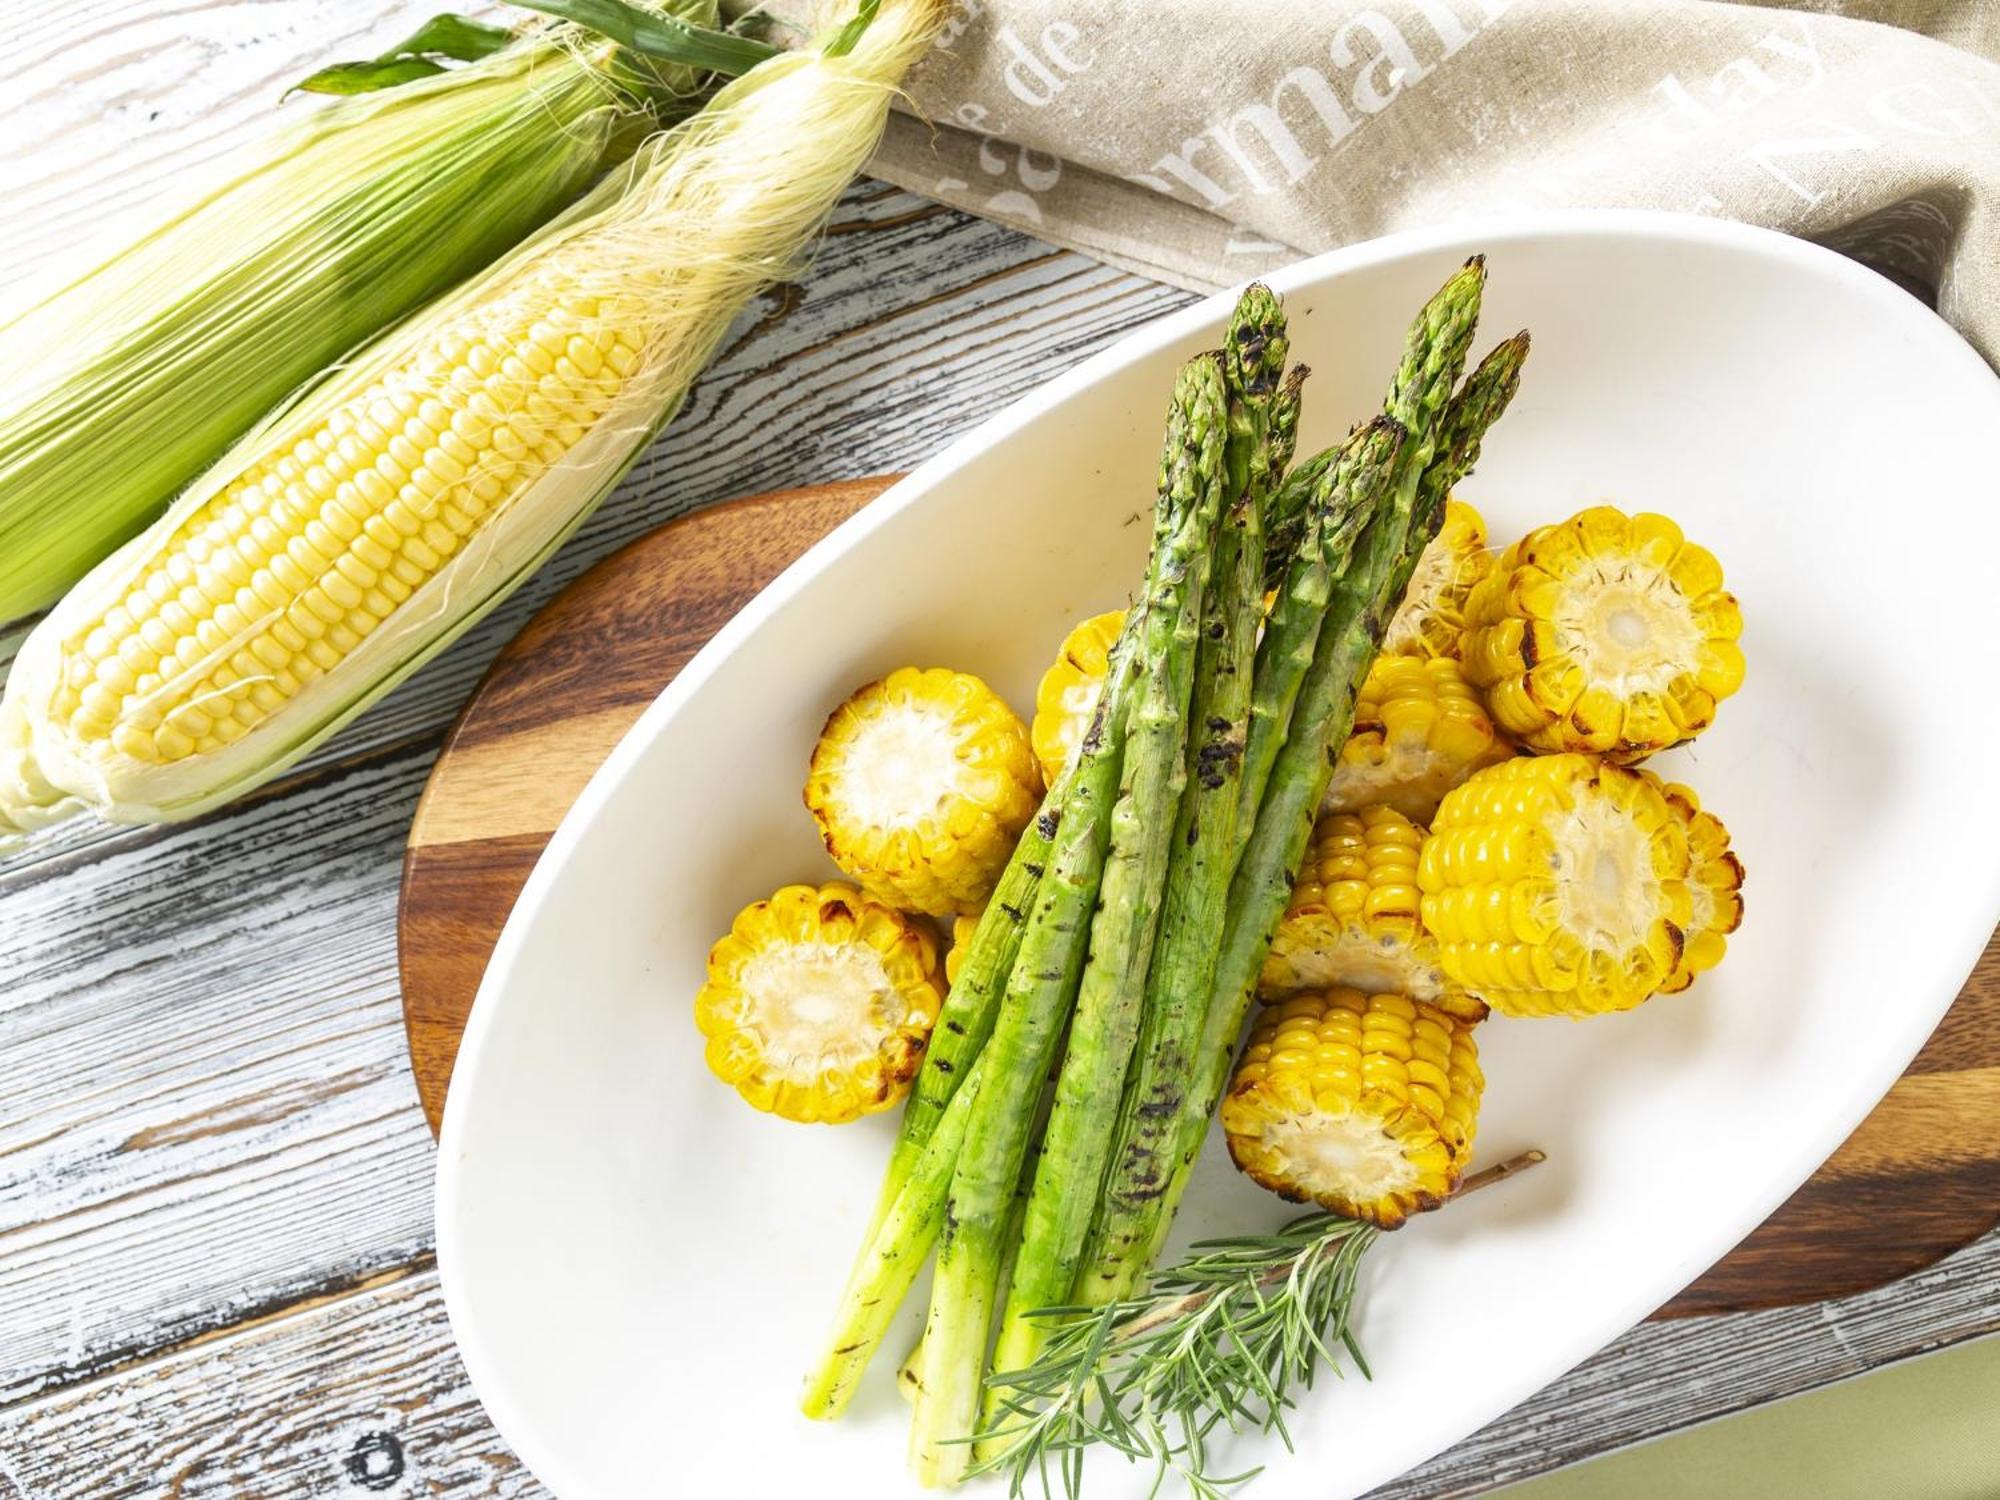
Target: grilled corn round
819,1003
1069,689
1364,1104
1419,730
921,784
1557,885
1431,621
1353,921
1607,633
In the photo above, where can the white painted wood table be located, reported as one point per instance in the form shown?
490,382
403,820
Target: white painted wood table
216,1270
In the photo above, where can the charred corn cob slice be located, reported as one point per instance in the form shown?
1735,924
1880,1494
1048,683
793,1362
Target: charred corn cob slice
818,1004
1431,621
1557,885
962,929
1607,633
921,783
1419,730
1715,884
1068,690
1353,922
1364,1104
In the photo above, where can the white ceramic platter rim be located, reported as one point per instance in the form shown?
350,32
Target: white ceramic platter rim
1936,977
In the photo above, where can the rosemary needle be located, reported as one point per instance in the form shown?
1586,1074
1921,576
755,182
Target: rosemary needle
1224,1338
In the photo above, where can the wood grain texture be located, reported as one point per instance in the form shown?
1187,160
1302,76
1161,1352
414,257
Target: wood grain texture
214,1175
1920,1177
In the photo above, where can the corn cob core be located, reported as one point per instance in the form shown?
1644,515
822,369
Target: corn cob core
1715,884
1557,885
819,1003
1607,633
1364,1104
921,784
286,570
1069,689
1419,730
1353,922
1431,620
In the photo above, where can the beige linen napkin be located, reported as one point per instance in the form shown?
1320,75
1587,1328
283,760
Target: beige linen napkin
1202,142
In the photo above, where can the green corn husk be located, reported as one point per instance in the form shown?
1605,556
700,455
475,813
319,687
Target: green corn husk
658,259
119,387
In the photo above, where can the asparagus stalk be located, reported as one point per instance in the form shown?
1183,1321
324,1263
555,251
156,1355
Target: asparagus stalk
1349,483
966,1019
1286,505
1118,982
1366,598
890,1261
1145,1155
1042,986
1204,831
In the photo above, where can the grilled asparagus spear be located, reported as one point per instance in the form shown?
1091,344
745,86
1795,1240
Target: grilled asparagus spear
1045,979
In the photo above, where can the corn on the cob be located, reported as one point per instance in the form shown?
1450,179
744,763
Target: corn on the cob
1431,621
1606,633
921,783
1069,690
1557,885
365,526
123,384
1353,922
1364,1104
818,1004
1715,886
1419,730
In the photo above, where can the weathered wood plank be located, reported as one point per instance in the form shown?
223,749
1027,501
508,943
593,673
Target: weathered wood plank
208,1111
363,1397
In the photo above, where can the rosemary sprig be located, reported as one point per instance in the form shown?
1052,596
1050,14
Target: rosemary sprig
1224,1338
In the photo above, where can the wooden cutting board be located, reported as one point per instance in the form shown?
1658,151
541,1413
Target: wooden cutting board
1920,1178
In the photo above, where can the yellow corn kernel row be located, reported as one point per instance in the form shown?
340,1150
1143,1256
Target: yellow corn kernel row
1364,1104
1354,922
1431,620
818,1004
282,574
1068,691
1607,634
921,784
1419,730
1557,885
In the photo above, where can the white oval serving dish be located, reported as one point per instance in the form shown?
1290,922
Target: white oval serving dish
639,1269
